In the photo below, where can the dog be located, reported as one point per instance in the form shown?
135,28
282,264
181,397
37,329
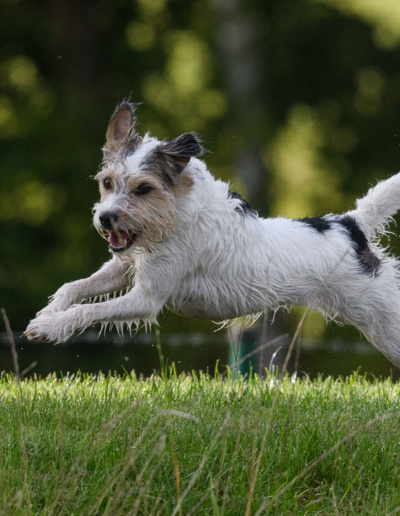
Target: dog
180,239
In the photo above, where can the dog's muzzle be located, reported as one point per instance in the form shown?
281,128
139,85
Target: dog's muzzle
119,239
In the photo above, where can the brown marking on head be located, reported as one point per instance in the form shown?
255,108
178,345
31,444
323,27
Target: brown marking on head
144,184
107,179
121,137
183,184
142,203
151,214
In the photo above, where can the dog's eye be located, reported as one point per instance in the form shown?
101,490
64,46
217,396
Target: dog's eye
143,189
107,183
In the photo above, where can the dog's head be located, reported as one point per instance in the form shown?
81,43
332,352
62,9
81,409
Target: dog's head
139,182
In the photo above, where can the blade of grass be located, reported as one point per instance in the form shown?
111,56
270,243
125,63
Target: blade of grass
10,337
310,467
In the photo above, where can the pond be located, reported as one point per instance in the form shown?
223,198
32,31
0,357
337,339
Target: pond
193,351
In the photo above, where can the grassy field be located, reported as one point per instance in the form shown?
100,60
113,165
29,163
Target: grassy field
199,445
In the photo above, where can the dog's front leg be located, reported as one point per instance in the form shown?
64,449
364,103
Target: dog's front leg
138,304
113,276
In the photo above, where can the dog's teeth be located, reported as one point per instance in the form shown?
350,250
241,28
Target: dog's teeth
120,240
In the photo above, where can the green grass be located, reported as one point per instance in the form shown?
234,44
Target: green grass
197,445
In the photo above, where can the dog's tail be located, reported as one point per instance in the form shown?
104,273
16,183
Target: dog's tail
376,209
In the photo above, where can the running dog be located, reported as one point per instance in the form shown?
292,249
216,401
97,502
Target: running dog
180,239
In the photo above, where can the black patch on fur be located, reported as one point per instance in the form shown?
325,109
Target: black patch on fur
169,159
369,262
185,146
320,224
244,207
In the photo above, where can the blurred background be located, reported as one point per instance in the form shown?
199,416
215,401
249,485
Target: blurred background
298,102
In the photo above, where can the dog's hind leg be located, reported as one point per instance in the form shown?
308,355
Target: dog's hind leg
376,312
384,334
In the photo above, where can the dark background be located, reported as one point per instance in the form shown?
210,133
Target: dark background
298,103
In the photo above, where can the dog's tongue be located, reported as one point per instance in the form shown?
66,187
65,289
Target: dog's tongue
118,239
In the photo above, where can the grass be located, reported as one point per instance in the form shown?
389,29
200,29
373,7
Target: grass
192,444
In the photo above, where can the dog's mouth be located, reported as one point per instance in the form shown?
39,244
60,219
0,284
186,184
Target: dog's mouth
121,240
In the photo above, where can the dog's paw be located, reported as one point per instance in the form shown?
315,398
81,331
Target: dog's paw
50,327
34,333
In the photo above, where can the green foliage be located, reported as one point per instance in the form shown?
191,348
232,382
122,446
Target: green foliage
198,445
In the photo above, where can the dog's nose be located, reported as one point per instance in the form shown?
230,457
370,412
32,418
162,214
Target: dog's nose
108,219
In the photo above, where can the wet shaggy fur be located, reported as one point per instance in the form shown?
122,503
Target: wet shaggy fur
180,239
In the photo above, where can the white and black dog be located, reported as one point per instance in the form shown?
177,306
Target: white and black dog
180,239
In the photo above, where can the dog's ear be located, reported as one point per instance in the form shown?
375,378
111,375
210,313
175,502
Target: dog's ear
185,146
121,130
182,149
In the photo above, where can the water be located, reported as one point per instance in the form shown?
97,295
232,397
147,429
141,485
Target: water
195,351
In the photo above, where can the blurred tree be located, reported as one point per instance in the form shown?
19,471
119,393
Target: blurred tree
297,101
244,57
